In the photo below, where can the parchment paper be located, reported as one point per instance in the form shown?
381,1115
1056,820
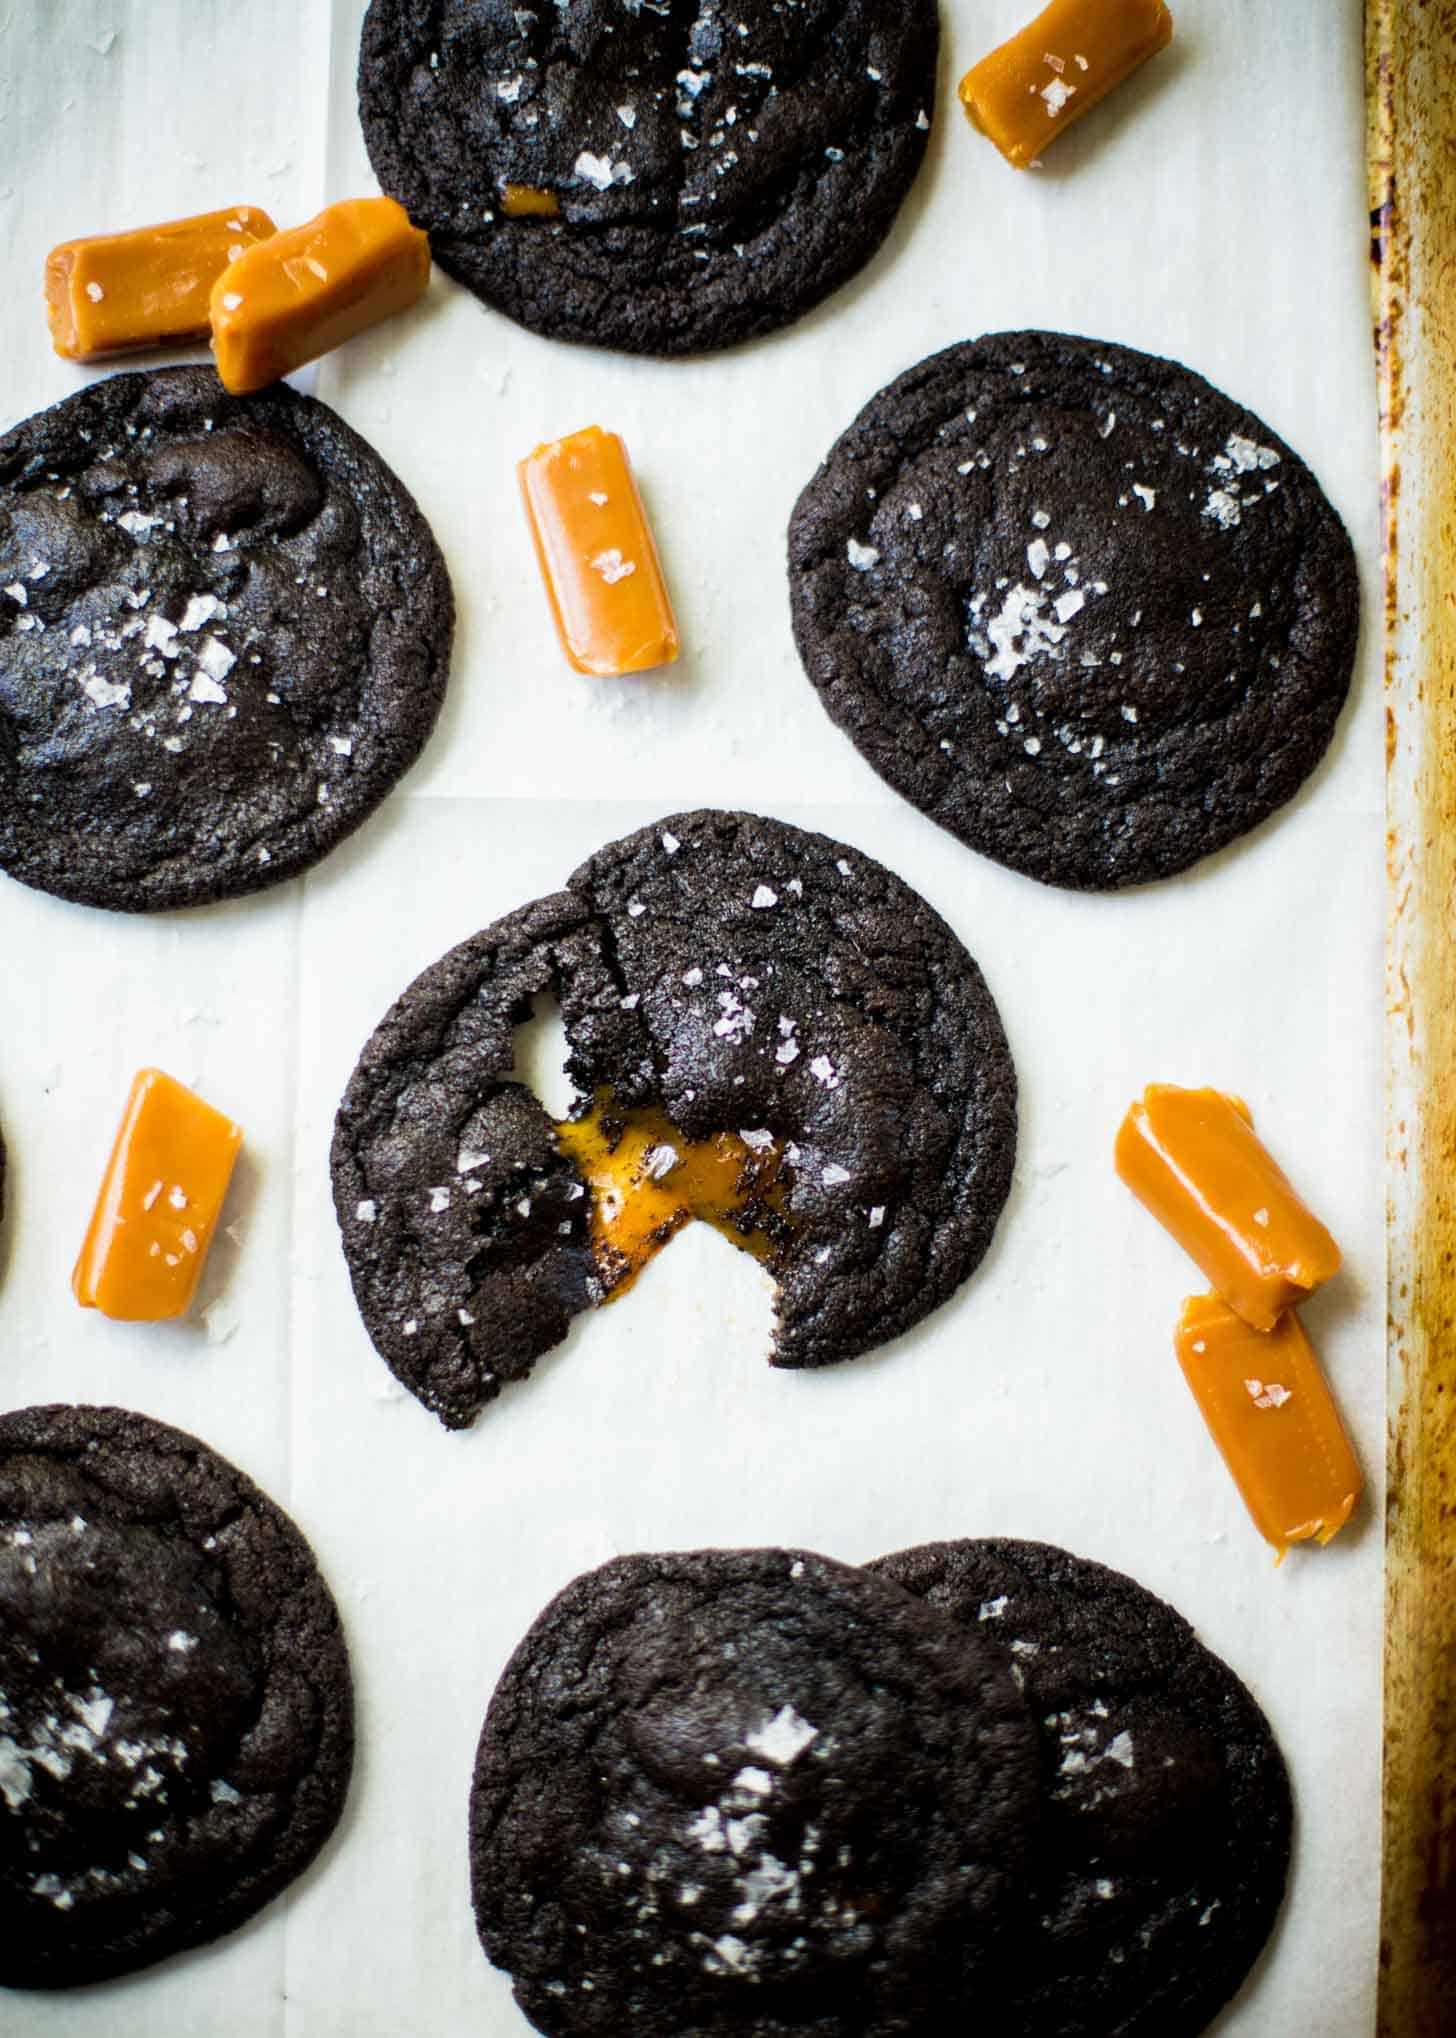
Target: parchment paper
1215,212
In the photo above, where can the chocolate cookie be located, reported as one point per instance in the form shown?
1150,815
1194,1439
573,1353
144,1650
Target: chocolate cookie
695,174
1080,608
224,629
1162,1864
176,1714
749,1790
744,976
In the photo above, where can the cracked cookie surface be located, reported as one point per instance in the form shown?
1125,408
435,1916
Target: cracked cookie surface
224,633
1161,1863
176,1711
1076,605
743,975
715,171
749,1790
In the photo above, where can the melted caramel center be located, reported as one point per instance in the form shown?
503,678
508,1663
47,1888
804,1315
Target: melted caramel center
528,201
647,1181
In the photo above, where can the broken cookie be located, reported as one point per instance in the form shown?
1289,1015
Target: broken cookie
719,975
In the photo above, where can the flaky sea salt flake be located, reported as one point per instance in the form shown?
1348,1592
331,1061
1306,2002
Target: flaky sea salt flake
1223,509
103,693
612,566
601,171
200,609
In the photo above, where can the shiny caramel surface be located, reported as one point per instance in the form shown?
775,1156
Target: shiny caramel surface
1193,1158
1038,84
159,1203
529,201
306,291
1269,1409
597,556
646,1182
115,293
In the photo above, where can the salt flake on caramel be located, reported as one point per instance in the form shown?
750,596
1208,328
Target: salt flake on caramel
159,1202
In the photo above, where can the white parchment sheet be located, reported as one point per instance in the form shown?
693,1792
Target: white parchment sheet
1216,212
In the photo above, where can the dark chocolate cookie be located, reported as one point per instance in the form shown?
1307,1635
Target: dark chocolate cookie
224,630
1162,1863
176,1713
749,1790
1080,608
715,170
743,975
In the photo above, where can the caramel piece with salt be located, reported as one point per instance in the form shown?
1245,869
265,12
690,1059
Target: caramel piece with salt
601,569
1193,1158
307,291
647,1182
158,1205
1033,88
114,293
1270,1411
528,201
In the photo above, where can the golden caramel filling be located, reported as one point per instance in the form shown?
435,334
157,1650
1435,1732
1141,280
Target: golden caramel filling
1037,85
526,201
603,577
1271,1413
306,291
646,1182
1193,1158
158,1205
111,293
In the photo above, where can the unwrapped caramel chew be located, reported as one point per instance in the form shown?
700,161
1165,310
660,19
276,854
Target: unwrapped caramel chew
1033,88
306,291
601,569
1270,1411
646,1182
1193,1158
159,1203
113,293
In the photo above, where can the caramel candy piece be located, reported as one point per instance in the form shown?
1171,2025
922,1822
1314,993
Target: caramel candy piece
527,201
647,1182
1270,1411
1031,89
306,291
112,293
158,1205
597,557
1193,1158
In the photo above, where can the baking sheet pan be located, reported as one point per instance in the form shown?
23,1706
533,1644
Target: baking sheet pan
1413,248
1215,212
